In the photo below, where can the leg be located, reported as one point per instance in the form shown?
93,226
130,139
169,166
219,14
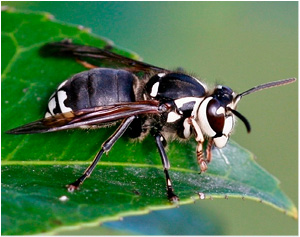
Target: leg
202,160
170,191
208,150
200,157
199,149
106,146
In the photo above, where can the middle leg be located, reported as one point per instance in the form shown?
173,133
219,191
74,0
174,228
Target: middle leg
166,164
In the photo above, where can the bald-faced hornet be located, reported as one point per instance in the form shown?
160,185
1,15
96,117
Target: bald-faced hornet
145,99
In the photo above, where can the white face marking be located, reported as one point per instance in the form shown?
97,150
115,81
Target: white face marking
220,142
172,117
52,105
161,74
154,89
235,101
220,110
228,125
202,118
62,96
62,84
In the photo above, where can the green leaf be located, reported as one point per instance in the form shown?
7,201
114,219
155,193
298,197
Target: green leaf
129,181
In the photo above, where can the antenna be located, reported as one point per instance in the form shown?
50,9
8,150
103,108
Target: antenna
254,89
264,86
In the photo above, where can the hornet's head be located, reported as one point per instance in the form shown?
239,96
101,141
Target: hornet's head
216,111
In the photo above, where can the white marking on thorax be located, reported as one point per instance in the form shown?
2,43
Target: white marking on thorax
180,102
154,89
62,96
172,117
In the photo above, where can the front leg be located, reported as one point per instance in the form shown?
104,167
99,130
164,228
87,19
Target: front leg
201,159
209,146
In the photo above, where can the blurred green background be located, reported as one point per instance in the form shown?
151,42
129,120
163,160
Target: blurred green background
239,44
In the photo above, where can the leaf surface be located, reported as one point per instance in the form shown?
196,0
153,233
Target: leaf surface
129,181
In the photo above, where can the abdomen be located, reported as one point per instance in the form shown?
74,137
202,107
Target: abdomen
93,88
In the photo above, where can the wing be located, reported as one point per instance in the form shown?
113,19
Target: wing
88,117
96,56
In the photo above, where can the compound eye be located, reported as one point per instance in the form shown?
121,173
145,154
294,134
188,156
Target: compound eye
216,116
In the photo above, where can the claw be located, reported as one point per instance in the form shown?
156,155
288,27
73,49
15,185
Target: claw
203,165
73,186
173,198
